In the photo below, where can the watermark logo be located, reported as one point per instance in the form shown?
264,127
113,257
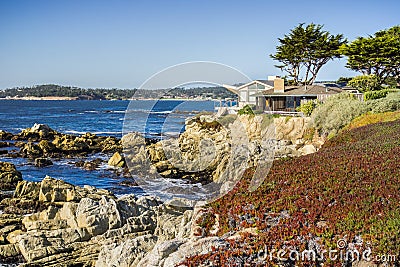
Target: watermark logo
344,252
212,151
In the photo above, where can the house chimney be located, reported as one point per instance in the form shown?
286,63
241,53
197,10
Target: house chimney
279,85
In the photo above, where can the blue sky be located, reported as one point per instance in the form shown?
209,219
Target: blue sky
95,43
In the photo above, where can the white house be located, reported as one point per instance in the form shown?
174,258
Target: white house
247,92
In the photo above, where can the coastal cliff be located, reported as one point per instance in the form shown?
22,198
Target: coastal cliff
52,222
209,143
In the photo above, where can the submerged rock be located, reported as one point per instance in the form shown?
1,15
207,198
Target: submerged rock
89,165
4,144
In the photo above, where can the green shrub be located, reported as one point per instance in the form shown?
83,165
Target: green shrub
246,110
365,83
336,112
371,95
390,103
308,107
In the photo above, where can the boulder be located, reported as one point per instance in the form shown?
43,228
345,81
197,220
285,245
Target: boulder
5,135
172,252
42,129
9,176
43,162
36,133
27,190
116,160
110,144
53,190
307,149
133,143
128,253
31,150
9,251
47,147
291,128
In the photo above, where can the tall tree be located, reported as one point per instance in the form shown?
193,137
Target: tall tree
305,50
378,54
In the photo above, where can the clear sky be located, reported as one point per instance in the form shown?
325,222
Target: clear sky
96,43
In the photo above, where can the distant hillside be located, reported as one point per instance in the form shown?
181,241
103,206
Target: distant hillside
52,90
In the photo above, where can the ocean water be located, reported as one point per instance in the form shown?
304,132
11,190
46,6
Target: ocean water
157,119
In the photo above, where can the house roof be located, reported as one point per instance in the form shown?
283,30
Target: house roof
310,90
267,84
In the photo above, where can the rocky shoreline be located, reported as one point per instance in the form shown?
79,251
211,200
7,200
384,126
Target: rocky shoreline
54,223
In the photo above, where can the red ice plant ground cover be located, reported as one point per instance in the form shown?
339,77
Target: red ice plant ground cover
348,190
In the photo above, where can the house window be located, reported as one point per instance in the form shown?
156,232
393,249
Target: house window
243,96
279,103
289,102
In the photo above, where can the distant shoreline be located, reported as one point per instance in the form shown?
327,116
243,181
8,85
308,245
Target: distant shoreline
40,98
76,98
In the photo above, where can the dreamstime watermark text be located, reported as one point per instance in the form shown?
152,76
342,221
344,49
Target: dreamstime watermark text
341,253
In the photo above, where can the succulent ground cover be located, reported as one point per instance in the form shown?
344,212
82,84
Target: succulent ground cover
371,118
348,190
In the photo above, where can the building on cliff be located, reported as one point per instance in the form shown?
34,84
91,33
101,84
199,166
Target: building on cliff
272,95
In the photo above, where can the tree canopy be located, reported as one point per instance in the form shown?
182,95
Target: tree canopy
365,83
305,50
102,93
378,54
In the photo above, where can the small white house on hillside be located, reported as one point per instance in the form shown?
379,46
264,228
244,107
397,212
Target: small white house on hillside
246,92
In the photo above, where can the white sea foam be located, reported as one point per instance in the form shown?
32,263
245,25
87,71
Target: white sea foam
107,132
173,134
74,132
82,132
161,112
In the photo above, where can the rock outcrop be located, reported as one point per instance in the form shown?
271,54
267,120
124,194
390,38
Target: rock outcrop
40,141
36,133
209,144
5,135
66,225
58,224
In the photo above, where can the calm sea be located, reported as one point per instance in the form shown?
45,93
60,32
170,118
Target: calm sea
99,117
